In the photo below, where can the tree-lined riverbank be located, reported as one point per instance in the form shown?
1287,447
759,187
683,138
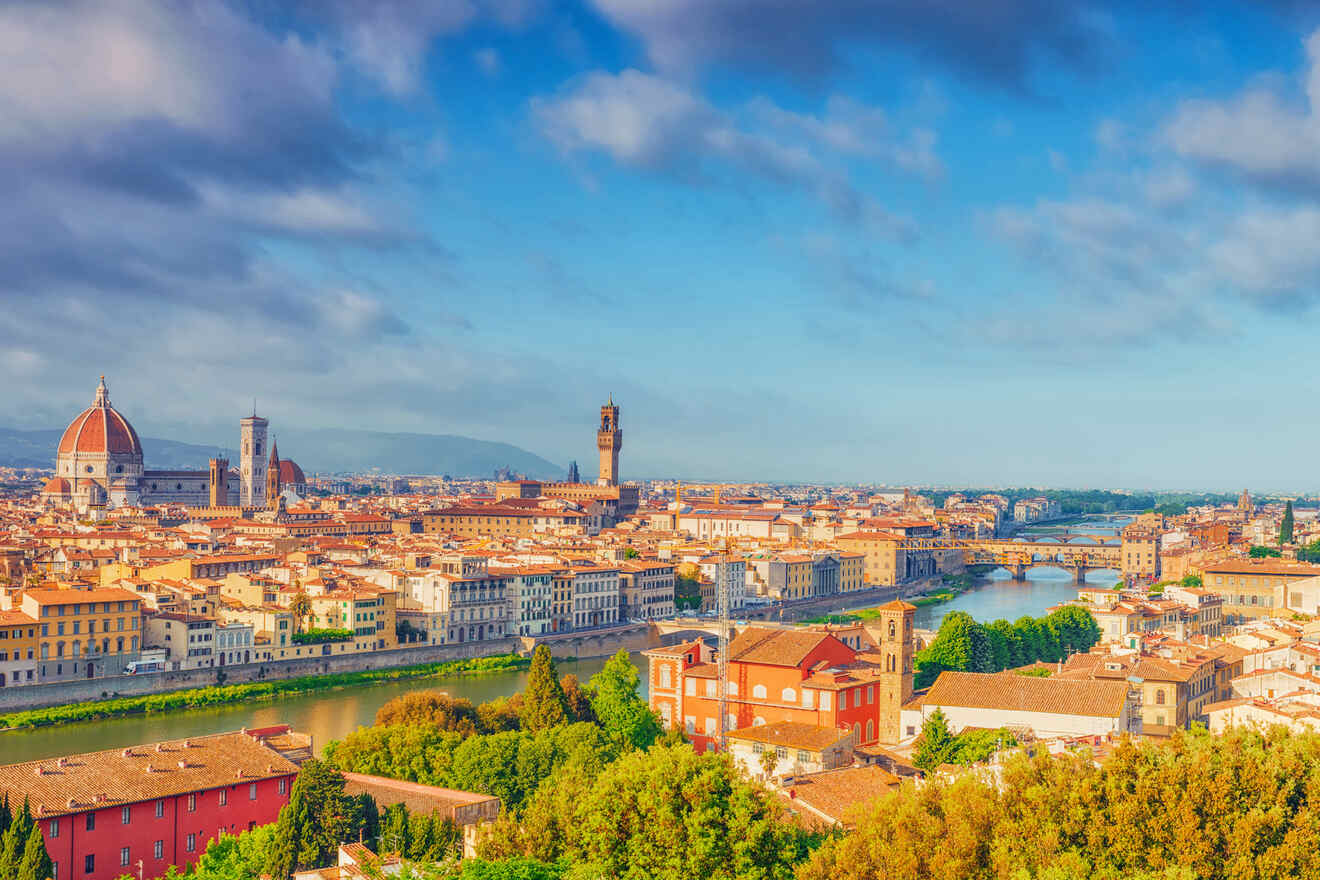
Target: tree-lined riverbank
197,698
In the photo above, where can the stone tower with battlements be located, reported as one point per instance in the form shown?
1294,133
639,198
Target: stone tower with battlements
609,440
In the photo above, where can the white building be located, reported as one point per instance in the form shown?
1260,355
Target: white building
594,598
233,643
731,570
530,592
1047,707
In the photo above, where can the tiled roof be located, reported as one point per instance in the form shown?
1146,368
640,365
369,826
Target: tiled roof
791,734
1022,693
832,794
121,776
774,647
418,798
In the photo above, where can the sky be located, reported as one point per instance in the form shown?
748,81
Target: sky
1015,242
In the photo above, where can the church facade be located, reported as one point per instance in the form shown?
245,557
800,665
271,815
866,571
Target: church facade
99,464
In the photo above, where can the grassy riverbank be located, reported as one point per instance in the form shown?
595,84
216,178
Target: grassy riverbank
220,695
953,585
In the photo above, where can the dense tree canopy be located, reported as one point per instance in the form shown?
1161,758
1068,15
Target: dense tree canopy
963,644
667,812
1242,806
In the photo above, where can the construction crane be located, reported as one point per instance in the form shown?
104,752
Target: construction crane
723,593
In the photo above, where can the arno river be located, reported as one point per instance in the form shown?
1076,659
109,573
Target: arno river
328,715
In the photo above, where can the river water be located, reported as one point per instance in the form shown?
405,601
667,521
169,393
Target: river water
328,715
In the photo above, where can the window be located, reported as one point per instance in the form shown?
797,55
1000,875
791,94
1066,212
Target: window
788,695
124,814
284,783
252,791
160,809
123,856
690,723
870,694
843,700
664,677
158,849
224,796
825,700
1159,697
192,843
192,803
758,692
89,861
91,821
808,699
54,827
803,757
691,687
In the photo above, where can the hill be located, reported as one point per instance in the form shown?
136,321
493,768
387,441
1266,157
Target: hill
330,450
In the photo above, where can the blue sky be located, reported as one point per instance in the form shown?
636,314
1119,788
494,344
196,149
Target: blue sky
1017,242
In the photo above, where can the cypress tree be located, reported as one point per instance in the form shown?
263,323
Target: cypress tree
14,842
313,823
396,831
544,704
1286,528
936,743
36,863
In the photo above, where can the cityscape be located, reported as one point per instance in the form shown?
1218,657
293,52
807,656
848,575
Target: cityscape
721,440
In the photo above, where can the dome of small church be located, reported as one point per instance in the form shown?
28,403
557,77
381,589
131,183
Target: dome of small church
56,486
290,473
100,428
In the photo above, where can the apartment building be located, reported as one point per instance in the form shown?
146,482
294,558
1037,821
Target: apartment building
646,589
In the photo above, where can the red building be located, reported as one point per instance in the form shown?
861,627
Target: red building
144,808
801,675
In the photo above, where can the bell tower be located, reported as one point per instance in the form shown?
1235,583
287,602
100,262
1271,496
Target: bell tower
609,440
897,620
252,461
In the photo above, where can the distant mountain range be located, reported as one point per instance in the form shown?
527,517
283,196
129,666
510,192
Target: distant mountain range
325,450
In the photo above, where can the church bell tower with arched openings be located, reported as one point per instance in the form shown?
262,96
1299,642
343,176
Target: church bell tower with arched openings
897,620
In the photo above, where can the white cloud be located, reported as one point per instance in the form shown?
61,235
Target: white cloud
650,123
1264,134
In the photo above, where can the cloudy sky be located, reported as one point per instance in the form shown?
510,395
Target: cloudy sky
1014,241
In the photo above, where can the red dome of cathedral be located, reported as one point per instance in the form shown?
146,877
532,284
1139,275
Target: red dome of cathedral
290,473
100,428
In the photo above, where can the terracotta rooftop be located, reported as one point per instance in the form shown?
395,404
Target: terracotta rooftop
830,796
774,647
791,734
57,786
1022,693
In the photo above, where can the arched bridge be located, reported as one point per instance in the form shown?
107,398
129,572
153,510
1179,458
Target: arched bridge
1066,552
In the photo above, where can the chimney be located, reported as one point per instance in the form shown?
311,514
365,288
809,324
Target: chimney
792,794
127,753
62,762
183,765
39,770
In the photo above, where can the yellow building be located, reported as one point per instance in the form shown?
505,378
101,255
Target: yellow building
18,649
852,572
481,522
77,629
1141,551
1254,588
884,562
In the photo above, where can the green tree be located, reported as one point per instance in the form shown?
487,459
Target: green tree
314,822
1286,527
936,745
1194,580
36,863
235,858
1011,641
1032,639
1258,551
667,812
618,707
544,704
430,707
300,606
14,843
395,831
577,702
952,648
769,760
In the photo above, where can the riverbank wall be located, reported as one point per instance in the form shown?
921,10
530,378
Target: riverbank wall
110,687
